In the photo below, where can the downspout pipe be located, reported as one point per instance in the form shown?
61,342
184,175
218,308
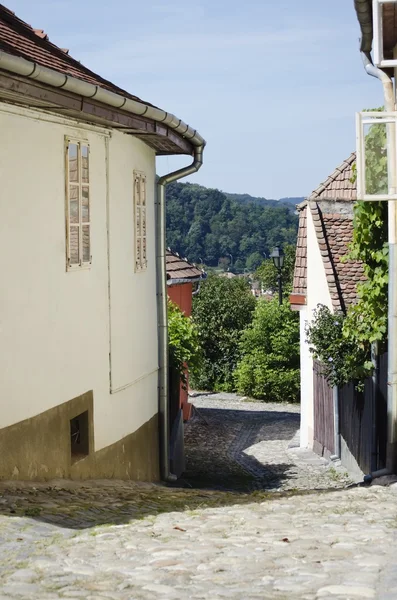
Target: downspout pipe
390,106
162,312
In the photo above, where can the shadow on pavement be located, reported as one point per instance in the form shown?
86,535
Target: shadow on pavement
216,445
219,473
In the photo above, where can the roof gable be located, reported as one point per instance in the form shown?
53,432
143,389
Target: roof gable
339,185
333,224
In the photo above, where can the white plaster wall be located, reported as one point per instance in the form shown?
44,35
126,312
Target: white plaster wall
132,295
317,293
54,325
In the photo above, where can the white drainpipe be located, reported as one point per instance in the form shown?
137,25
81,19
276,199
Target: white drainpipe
390,106
162,306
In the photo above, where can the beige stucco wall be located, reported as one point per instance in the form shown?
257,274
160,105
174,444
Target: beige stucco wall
58,328
317,293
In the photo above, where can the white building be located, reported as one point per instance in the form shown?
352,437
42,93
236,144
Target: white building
321,277
79,374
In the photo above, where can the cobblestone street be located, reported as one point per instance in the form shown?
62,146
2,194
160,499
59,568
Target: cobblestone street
254,518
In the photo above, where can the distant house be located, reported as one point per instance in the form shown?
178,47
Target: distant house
82,321
321,277
182,278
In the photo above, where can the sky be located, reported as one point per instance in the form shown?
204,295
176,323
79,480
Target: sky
272,85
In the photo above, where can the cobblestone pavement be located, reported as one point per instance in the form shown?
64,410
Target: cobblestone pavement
244,445
124,540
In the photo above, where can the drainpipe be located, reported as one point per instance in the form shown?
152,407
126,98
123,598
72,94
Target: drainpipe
390,106
162,312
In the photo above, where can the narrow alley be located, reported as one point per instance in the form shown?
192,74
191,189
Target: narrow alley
253,517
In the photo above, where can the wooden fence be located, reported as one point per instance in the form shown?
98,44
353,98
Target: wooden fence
324,430
362,418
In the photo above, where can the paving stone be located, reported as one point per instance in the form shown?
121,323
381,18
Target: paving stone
266,521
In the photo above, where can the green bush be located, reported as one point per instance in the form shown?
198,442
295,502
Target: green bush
344,359
269,367
221,311
183,343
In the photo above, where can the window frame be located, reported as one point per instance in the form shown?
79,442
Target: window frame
82,264
377,12
373,118
140,221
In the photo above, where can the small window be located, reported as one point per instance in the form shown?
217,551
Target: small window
77,205
79,437
376,152
140,221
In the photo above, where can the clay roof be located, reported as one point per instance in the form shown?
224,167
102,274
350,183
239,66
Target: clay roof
20,39
334,233
300,284
338,186
179,270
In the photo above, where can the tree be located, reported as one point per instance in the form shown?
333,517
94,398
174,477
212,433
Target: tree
269,367
221,311
206,224
267,273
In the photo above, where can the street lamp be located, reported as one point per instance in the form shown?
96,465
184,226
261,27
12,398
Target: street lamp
278,260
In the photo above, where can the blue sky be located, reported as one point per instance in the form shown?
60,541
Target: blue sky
271,85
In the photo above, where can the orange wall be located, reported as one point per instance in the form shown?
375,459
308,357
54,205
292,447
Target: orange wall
181,295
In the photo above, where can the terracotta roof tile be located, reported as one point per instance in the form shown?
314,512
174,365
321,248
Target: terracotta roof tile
338,186
20,39
300,284
180,269
335,232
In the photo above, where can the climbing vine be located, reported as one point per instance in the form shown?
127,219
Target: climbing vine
343,342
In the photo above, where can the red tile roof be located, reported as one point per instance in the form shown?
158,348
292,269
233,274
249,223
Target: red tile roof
179,270
339,185
334,231
20,39
300,284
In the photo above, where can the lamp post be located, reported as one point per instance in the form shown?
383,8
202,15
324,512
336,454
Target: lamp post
278,260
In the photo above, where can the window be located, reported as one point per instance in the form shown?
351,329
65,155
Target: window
376,156
140,221
381,12
77,204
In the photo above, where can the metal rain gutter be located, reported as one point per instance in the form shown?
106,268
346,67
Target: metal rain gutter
162,312
32,70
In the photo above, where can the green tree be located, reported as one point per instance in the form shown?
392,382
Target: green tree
205,224
221,311
267,273
269,367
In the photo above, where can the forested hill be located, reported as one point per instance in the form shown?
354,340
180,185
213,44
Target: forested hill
208,226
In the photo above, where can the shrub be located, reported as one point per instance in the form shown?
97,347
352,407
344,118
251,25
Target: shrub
221,311
184,347
269,367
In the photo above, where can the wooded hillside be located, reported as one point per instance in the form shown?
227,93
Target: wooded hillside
210,227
